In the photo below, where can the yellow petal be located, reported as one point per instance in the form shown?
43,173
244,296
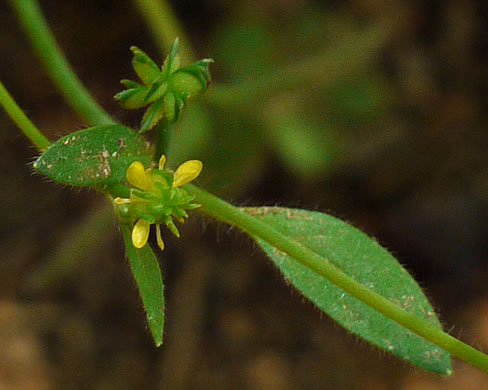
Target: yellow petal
159,238
187,172
138,176
140,233
162,162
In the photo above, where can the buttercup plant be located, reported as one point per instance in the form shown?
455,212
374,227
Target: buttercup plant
341,270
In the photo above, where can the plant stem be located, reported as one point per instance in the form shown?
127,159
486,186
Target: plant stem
225,212
165,27
21,120
344,58
164,134
56,64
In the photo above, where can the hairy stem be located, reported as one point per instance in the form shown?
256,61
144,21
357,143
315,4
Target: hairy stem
56,64
223,211
165,27
21,120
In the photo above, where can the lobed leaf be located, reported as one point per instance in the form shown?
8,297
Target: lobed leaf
94,157
147,274
367,262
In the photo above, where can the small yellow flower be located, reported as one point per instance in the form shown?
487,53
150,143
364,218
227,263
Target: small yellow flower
157,197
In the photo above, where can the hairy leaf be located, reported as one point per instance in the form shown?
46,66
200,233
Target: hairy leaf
367,262
94,157
147,273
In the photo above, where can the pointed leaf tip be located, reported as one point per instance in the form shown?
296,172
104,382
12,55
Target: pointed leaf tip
147,274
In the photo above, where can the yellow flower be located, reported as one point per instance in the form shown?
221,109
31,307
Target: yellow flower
157,198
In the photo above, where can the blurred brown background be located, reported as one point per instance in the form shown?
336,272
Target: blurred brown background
397,145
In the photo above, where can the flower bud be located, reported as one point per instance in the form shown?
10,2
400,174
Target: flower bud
165,90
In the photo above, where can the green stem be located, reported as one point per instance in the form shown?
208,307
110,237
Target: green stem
343,59
56,64
165,26
21,120
225,212
164,134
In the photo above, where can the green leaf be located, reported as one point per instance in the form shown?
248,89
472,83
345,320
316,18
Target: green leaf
172,61
152,116
94,157
145,68
193,79
130,83
133,98
145,268
367,262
